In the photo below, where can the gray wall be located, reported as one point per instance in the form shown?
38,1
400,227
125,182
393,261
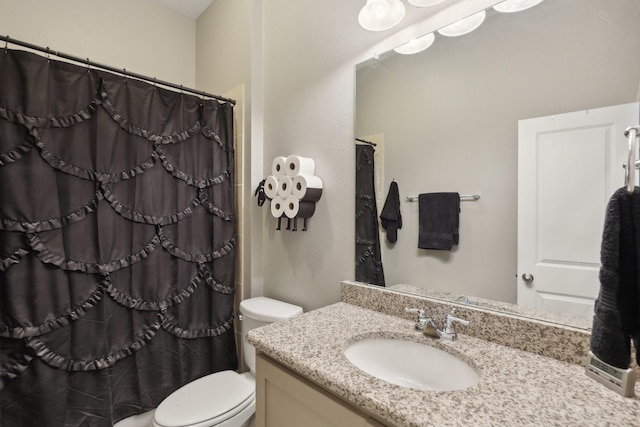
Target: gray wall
449,118
141,36
224,64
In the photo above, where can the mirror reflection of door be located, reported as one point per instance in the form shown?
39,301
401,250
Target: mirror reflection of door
568,167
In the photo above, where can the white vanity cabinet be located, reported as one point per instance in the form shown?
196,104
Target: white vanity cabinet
285,399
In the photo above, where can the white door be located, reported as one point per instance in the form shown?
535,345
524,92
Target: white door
569,165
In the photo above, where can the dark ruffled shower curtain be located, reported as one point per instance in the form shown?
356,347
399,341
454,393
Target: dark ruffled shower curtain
368,255
116,242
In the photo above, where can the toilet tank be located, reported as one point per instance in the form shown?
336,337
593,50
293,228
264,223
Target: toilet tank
260,311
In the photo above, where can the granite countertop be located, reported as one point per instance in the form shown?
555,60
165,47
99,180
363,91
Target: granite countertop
516,388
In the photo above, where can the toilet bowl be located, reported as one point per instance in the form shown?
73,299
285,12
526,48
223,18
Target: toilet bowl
226,398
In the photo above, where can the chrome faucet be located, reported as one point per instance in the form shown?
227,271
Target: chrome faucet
422,319
449,326
429,327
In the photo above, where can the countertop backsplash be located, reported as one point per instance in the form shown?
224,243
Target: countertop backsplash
558,341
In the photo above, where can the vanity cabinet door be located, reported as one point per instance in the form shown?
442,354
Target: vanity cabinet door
284,399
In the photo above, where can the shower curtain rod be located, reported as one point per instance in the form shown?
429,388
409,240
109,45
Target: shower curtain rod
366,142
123,71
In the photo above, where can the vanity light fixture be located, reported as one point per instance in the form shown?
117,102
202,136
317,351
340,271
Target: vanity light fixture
416,45
425,3
510,6
380,15
464,26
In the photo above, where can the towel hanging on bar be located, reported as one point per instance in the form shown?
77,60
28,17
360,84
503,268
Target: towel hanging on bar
391,217
463,198
438,220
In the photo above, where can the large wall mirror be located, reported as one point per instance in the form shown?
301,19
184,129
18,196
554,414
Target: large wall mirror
446,120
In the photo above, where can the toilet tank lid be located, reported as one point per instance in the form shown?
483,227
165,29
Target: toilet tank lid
213,398
268,310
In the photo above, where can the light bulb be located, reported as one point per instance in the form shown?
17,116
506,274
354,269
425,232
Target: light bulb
425,3
416,45
510,6
380,15
464,26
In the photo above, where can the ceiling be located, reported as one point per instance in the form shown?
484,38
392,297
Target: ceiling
189,8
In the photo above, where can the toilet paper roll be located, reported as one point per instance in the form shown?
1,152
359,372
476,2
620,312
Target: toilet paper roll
277,207
298,165
284,186
294,208
307,188
271,187
278,166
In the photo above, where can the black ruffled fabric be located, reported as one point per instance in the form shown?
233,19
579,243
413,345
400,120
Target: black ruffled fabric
149,218
117,235
98,361
12,258
170,325
134,129
15,142
47,256
29,328
114,159
14,359
53,223
369,267
31,122
140,304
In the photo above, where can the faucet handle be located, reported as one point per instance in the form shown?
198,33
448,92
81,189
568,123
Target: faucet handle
449,327
422,319
420,311
451,319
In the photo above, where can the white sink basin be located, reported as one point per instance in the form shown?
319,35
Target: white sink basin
411,364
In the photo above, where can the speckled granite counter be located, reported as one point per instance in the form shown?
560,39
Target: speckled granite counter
516,388
562,342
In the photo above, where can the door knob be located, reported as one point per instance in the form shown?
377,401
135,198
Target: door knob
527,277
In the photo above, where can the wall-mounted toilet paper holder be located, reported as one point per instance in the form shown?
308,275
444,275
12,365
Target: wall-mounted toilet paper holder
293,190
295,224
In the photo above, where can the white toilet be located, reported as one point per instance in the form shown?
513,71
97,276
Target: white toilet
224,399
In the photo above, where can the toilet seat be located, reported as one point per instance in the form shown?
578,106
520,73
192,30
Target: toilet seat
207,401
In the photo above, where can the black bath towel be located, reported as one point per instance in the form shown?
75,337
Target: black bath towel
439,218
390,217
617,309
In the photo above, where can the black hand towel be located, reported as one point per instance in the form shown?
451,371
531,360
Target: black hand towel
617,309
439,218
391,218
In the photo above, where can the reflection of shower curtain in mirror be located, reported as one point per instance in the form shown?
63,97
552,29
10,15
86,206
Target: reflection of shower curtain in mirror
116,243
368,255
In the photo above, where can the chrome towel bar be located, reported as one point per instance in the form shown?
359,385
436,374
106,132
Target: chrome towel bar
463,198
